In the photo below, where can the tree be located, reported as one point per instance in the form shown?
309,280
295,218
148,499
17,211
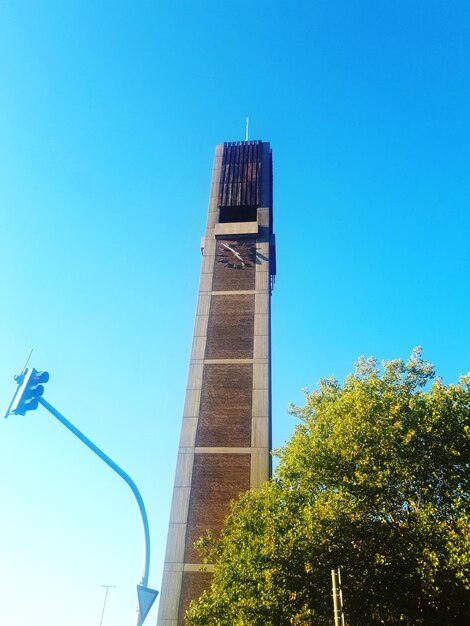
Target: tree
375,479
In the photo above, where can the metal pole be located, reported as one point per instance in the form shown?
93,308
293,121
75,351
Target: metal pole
340,589
104,457
108,587
335,596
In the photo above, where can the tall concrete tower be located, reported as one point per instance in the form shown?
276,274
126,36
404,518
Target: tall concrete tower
225,438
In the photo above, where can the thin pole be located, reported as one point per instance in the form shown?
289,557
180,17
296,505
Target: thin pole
335,596
340,589
114,466
108,587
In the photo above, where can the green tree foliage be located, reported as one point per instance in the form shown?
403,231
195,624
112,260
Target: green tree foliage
375,479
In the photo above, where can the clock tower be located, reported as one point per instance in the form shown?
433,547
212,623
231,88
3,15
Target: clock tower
225,438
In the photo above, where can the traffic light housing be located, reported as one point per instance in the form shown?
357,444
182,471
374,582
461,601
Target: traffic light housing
29,390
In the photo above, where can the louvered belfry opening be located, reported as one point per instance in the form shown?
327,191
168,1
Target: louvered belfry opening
239,192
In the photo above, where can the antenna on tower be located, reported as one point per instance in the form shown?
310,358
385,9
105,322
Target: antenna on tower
246,129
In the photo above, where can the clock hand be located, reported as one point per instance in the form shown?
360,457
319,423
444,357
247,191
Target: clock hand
225,245
237,254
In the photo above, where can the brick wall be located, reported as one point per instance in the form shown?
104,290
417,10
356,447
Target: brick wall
225,411
217,479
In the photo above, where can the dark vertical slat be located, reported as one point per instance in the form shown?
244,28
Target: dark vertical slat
240,174
222,195
243,186
223,179
237,175
227,177
271,223
249,174
233,155
254,175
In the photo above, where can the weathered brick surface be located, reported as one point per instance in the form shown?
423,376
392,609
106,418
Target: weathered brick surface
231,327
193,584
230,278
225,412
217,479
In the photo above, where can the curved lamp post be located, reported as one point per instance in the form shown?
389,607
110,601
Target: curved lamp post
27,397
141,615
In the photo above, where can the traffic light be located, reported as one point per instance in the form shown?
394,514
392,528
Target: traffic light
29,390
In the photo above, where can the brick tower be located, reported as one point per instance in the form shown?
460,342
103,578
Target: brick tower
225,438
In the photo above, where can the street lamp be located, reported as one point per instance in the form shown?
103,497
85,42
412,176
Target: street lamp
27,397
108,587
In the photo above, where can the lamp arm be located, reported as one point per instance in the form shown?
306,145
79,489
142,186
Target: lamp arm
114,466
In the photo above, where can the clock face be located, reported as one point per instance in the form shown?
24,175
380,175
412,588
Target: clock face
236,254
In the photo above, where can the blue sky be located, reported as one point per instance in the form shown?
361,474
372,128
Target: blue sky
109,114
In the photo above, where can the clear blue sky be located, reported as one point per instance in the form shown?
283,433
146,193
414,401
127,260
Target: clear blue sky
109,114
